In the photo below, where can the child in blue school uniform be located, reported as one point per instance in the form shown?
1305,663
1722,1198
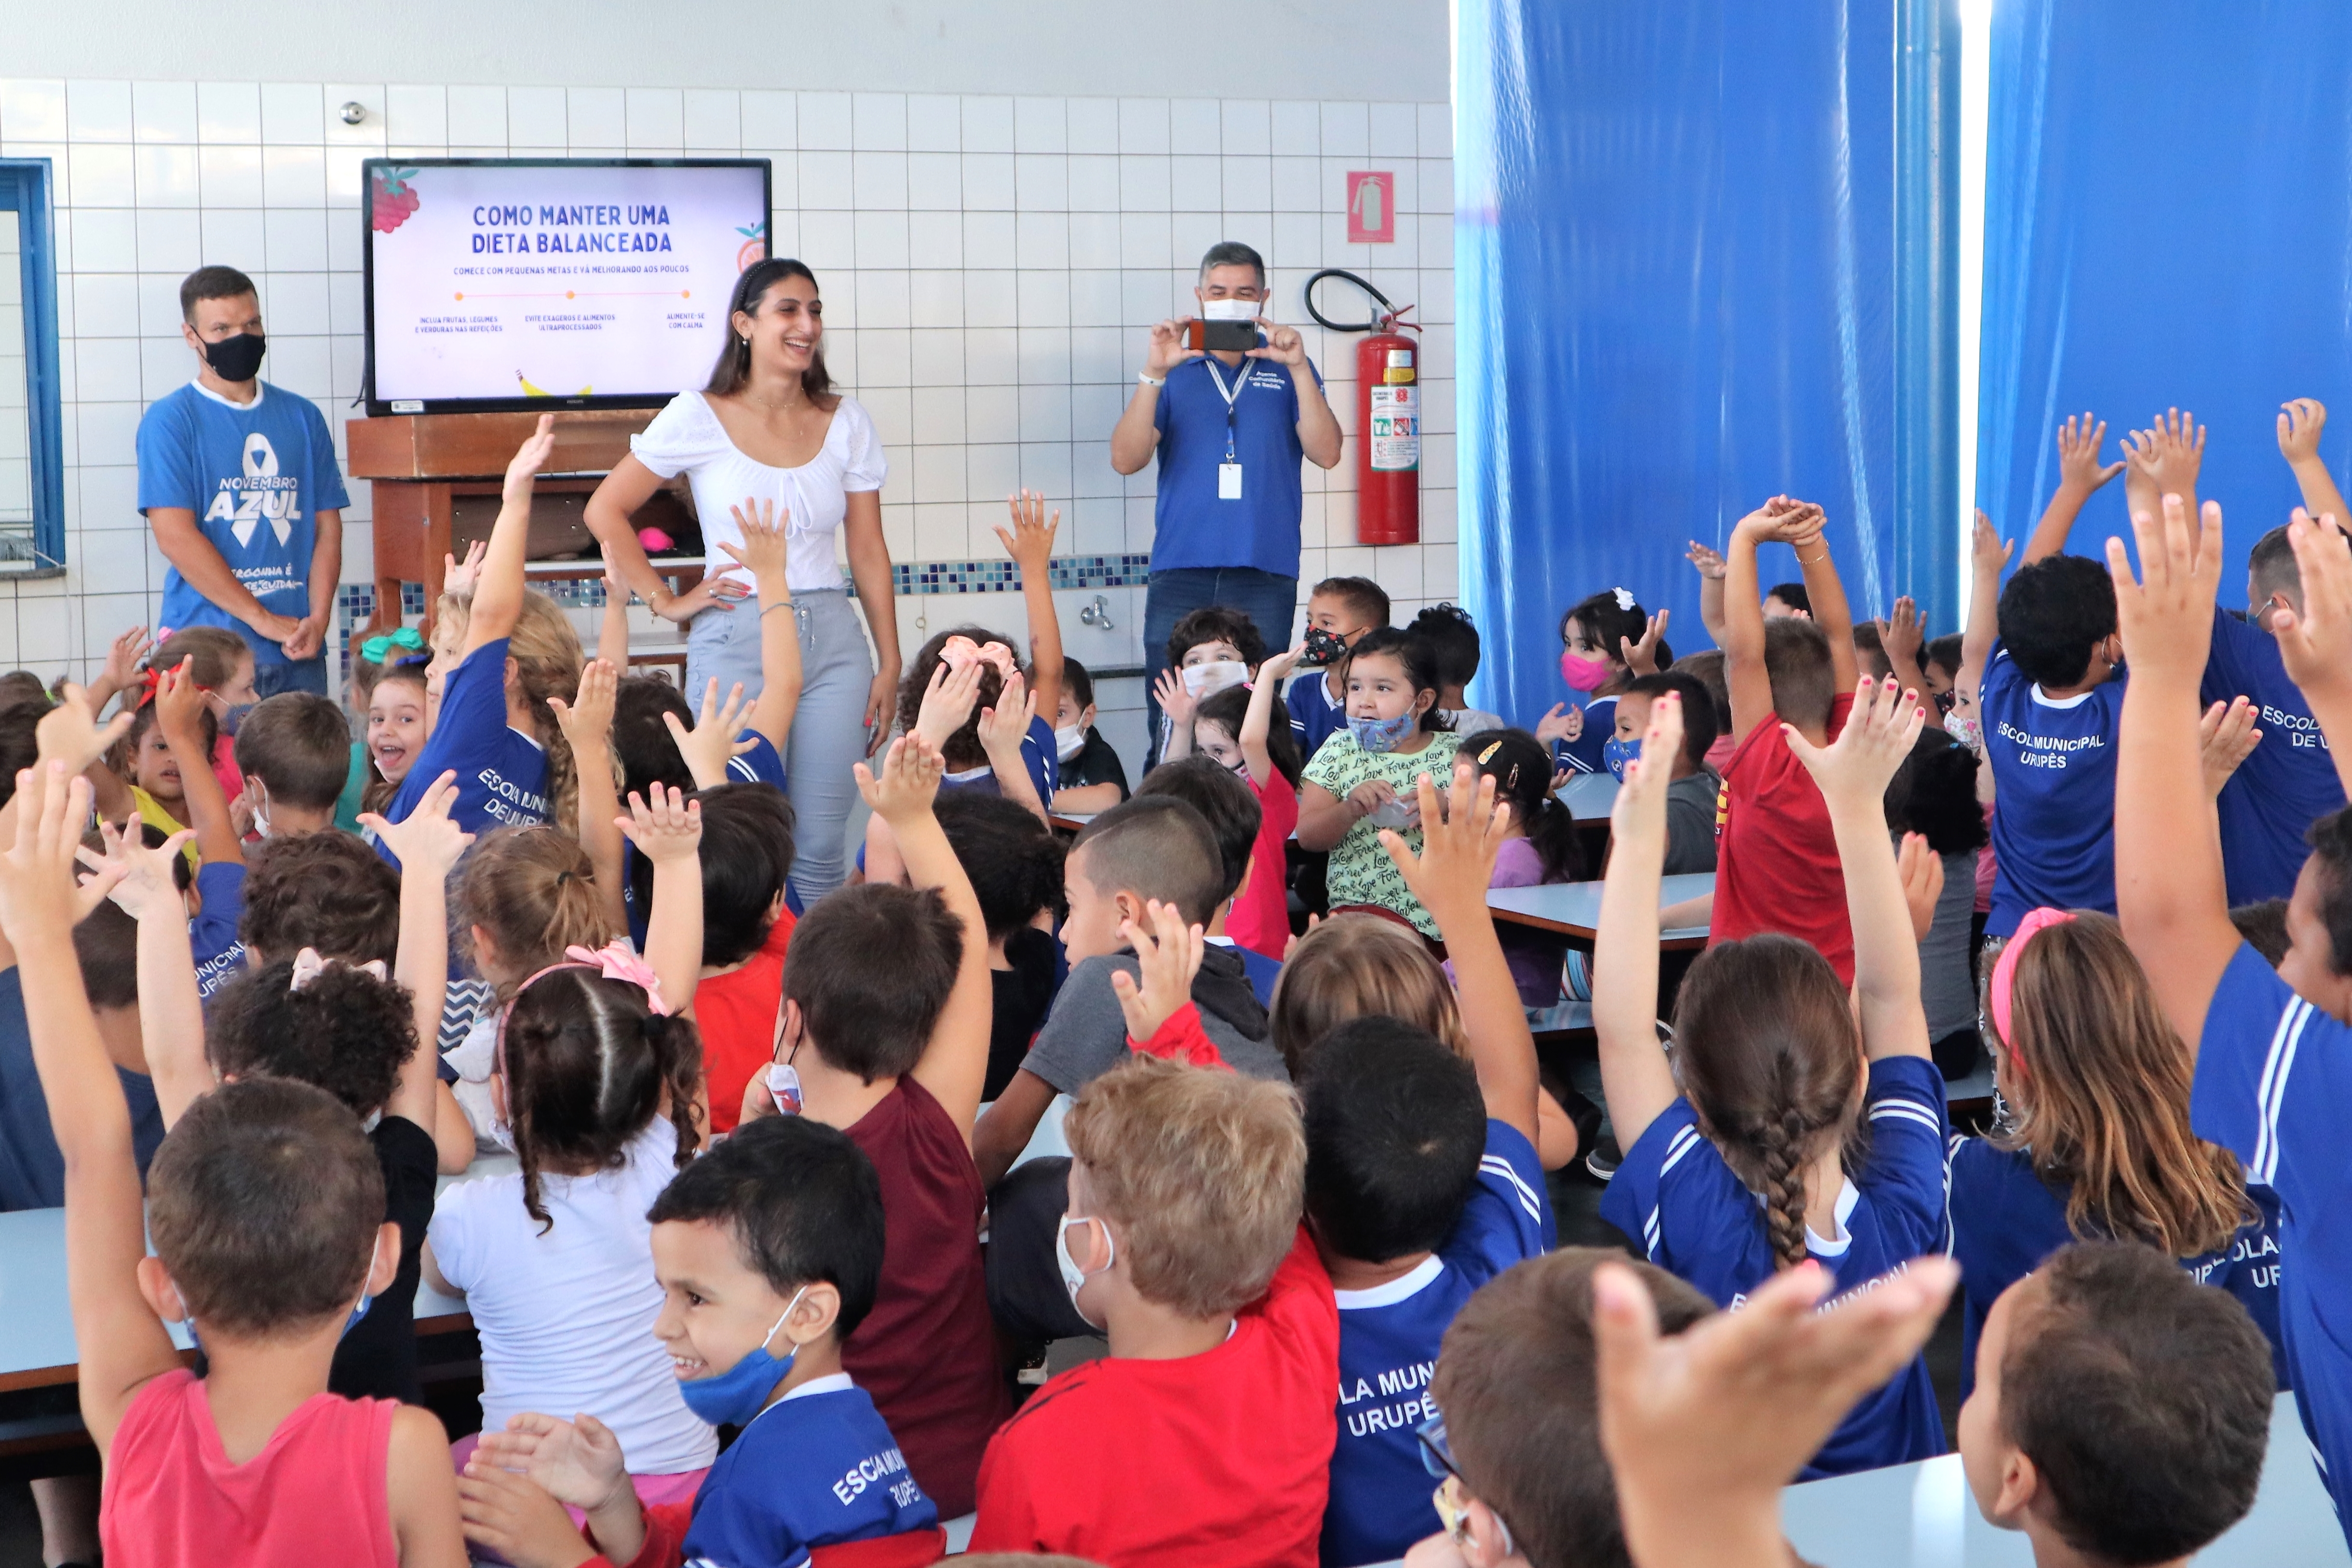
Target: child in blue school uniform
2273,1046
769,1250
495,727
2098,1143
1606,641
1737,1161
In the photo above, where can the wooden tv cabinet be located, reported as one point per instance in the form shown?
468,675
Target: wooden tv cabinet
434,474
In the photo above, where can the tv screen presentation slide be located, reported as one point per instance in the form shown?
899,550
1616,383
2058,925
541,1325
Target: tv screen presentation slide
505,282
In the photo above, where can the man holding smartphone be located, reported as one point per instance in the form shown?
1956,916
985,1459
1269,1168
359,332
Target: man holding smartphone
1220,400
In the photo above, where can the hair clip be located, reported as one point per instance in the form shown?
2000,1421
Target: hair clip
617,961
1625,600
308,966
407,639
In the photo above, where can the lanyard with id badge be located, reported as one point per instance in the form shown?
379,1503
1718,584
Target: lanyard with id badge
1229,472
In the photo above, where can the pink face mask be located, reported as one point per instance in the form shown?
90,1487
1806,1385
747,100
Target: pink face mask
1583,673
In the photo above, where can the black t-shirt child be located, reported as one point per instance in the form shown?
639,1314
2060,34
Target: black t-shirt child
378,1358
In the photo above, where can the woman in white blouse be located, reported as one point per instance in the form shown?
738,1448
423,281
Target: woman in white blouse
769,427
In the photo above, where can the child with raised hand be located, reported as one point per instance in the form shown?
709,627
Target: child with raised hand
770,1252
1605,641
1777,866
495,725
267,1214
2268,1046
1771,1076
885,1033
2288,782
597,1081
1361,781
1267,760
716,755
2096,1144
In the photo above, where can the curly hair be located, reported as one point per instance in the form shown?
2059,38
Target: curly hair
345,1032
963,749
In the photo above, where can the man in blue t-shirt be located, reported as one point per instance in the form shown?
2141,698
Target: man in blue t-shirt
238,479
2288,782
1229,428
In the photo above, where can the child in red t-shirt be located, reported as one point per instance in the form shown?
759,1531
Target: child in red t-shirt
1776,859
1206,1434
888,1004
747,833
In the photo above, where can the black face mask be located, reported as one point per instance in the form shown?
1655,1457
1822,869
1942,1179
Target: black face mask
235,359
1323,649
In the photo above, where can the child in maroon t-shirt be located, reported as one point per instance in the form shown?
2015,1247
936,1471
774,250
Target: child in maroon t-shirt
886,1009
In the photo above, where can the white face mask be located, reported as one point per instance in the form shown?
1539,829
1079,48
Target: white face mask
1230,310
1068,742
260,794
1074,1279
1205,680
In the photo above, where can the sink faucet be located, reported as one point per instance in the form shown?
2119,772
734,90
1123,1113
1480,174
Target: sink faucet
1097,614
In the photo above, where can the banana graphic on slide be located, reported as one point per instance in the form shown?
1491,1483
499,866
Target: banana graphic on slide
531,391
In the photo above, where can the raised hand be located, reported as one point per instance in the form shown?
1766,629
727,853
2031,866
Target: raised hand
1166,956
2167,620
425,841
1987,552
1460,839
765,532
1703,1430
587,720
903,787
1922,870
139,880
529,459
1562,723
1175,699
1641,658
712,743
947,702
69,734
1903,634
1030,540
457,576
123,657
2316,641
1640,803
2079,444
2168,455
2301,422
179,708
667,831
1279,664
1708,559
1785,519
2226,737
1003,726
37,889
1877,737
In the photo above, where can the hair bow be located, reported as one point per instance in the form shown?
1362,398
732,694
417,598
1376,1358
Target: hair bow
379,649
308,966
1625,600
618,961
959,651
2004,976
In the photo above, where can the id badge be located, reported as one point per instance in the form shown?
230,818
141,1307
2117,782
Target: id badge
1228,481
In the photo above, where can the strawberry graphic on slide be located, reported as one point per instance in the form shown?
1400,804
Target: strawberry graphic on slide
392,199
753,248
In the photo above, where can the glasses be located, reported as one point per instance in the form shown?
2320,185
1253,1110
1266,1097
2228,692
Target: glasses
1452,1498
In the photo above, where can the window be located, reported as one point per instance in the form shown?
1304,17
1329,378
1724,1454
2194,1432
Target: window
32,449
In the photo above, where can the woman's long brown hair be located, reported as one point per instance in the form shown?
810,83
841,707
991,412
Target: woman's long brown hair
2097,1086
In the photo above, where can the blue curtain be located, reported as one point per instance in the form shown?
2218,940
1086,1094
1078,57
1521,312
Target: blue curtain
1677,247
2168,223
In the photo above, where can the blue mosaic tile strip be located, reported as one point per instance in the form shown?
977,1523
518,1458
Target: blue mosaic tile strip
1002,577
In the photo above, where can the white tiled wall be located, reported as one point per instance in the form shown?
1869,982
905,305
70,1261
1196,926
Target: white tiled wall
989,266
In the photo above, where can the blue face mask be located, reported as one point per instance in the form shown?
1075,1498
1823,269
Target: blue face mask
732,1397
1619,754
1378,735
349,1323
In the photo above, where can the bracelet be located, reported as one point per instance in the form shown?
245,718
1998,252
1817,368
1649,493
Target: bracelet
1816,561
771,609
1149,379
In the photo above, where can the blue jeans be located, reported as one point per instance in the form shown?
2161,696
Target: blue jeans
1270,602
303,674
829,730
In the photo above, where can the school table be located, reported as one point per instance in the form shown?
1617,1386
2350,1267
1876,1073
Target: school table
1071,821
36,1339
1573,909
1588,796
1921,1516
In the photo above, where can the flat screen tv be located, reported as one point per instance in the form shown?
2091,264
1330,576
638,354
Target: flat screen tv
518,283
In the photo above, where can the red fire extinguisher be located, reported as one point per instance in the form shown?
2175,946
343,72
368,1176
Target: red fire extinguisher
1387,418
